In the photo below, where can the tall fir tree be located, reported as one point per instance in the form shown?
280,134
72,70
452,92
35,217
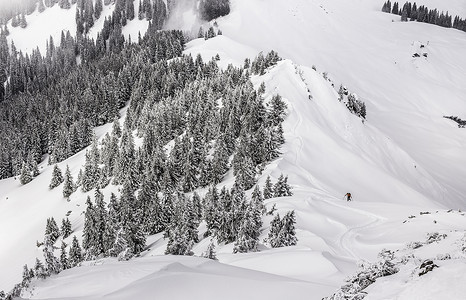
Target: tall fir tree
68,186
57,177
75,255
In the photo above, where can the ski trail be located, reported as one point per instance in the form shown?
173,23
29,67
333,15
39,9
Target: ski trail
299,122
346,241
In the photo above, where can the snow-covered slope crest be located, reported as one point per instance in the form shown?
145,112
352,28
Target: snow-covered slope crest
171,277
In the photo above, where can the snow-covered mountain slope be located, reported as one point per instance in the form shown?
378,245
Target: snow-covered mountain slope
403,160
54,20
362,48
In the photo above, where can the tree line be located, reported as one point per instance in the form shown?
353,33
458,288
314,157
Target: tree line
410,11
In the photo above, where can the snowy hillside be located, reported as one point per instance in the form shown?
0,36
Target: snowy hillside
403,160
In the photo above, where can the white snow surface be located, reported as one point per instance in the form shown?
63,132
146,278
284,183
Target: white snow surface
403,160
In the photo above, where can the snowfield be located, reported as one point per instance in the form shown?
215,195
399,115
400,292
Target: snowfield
403,160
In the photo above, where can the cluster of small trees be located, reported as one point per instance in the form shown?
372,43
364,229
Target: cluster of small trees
354,105
51,264
212,9
261,63
410,11
210,33
461,123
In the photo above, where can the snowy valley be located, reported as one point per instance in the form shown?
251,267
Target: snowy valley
403,235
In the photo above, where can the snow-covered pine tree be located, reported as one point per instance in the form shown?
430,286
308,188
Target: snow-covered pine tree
210,251
34,167
287,235
65,228
52,264
116,128
274,232
64,263
101,220
258,200
68,186
220,160
211,213
246,173
120,247
57,177
27,276
51,230
25,176
181,231
89,228
39,270
247,238
75,255
277,110
130,220
89,175
197,208
282,188
22,21
282,231
268,189
150,208
125,167
114,219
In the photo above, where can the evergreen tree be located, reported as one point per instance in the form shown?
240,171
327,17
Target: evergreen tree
68,186
116,129
25,176
114,219
210,252
282,231
75,254
51,230
258,200
52,264
404,13
212,9
274,232
212,211
28,274
277,111
65,228
130,223
282,188
57,177
182,231
22,21
39,270
89,227
248,234
268,189
287,234
64,264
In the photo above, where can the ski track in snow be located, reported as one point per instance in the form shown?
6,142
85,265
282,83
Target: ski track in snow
349,237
